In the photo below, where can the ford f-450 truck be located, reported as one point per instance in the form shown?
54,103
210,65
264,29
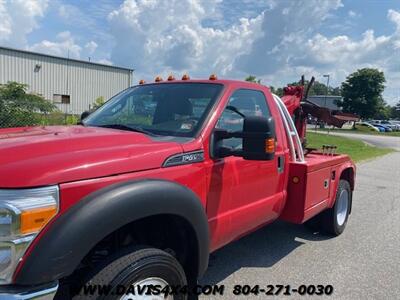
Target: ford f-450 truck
152,182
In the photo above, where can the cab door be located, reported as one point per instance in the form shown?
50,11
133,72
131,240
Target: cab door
243,194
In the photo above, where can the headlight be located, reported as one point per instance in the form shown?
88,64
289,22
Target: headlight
23,213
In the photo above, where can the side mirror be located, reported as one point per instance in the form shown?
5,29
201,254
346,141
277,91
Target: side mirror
258,140
84,115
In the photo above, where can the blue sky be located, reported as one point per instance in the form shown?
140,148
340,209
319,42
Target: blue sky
275,40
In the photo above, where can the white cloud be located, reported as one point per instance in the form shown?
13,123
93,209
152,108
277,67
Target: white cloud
285,31
353,14
394,16
63,46
18,18
289,48
5,22
104,61
67,11
91,47
342,55
274,40
170,36
278,45
342,49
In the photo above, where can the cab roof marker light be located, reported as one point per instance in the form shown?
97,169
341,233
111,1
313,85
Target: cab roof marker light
185,77
171,77
142,81
158,79
213,77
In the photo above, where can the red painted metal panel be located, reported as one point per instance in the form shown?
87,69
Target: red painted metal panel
317,189
308,196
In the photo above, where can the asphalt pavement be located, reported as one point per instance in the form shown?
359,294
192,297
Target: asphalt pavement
362,263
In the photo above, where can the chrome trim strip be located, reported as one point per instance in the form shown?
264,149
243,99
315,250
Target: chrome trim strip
43,294
296,149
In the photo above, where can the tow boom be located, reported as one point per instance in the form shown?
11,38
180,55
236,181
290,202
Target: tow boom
296,101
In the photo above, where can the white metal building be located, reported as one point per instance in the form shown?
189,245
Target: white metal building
73,85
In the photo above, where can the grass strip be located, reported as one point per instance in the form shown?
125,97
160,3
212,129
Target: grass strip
356,149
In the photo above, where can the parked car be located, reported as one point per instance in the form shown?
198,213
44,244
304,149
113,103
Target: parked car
386,123
391,124
395,123
382,128
368,126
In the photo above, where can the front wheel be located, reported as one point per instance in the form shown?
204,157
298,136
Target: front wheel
128,274
334,220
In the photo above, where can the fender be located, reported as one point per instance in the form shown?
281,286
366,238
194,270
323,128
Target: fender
348,165
71,236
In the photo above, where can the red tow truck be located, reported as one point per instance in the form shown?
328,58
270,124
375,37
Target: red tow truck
148,185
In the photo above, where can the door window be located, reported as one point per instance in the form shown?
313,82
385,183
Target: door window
249,103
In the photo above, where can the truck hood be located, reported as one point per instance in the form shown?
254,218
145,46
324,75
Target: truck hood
38,156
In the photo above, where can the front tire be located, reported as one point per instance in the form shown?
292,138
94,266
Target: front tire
128,269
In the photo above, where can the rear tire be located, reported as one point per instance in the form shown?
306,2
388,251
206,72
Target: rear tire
334,220
146,266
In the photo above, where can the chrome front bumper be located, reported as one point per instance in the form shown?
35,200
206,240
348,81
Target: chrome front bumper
35,293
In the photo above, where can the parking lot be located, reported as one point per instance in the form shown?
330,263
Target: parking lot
362,263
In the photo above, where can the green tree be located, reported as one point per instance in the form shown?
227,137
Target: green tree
335,91
19,108
319,88
252,78
278,91
395,111
98,102
383,112
362,93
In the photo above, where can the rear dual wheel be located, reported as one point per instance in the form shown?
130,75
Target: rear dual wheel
334,220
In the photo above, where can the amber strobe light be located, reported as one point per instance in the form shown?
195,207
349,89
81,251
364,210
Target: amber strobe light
270,145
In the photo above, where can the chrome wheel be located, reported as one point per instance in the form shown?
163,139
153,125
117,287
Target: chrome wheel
144,283
342,207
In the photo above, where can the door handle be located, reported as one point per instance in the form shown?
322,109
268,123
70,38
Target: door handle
281,163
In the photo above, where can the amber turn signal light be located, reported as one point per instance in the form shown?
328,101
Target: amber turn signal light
35,219
270,145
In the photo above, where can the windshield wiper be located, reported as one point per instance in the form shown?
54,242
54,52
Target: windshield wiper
126,127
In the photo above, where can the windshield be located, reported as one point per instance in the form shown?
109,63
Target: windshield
176,109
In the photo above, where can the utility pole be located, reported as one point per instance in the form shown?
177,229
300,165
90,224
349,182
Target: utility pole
327,87
327,91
